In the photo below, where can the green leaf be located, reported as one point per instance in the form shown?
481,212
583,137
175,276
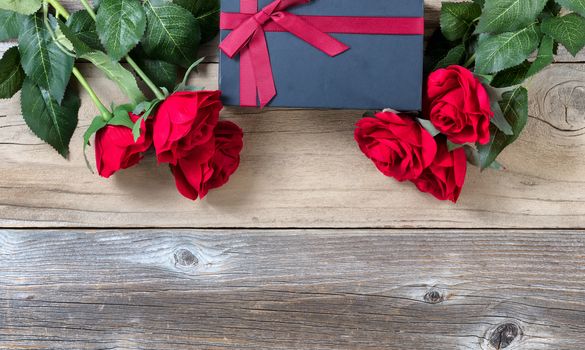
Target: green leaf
437,48
96,124
454,56
117,73
10,23
74,41
160,72
551,9
496,52
52,122
148,109
172,33
473,158
207,14
574,5
568,30
120,25
451,146
428,126
544,58
518,74
26,7
457,17
498,119
121,116
512,76
84,28
514,105
41,58
499,16
11,74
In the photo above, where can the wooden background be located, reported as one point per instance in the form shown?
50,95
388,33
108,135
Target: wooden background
308,246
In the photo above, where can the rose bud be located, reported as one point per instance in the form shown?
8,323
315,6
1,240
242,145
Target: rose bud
115,148
211,165
458,105
398,145
445,177
184,122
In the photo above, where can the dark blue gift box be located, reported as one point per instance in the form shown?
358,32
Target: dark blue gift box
378,71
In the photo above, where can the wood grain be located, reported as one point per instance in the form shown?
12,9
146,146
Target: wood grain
301,168
326,289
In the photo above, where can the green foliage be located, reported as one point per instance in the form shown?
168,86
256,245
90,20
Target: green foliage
207,14
511,76
457,18
96,125
497,52
120,25
514,106
42,59
10,23
568,30
83,27
544,58
501,16
163,74
26,7
454,56
172,33
577,6
52,122
117,73
11,74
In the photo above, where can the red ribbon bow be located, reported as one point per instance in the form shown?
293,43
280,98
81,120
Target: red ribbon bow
249,39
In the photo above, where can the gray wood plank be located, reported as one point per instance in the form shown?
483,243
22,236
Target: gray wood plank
332,289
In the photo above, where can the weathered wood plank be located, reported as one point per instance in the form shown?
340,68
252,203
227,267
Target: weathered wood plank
292,290
302,169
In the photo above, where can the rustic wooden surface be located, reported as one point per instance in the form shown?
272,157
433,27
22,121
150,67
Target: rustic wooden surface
505,273
323,289
301,168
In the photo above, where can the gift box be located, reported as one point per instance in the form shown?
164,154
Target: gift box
350,54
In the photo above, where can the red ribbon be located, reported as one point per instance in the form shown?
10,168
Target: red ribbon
248,38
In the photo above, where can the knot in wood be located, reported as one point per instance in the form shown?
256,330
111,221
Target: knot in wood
433,297
504,335
184,257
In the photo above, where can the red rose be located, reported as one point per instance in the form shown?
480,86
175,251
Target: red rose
458,105
115,148
445,177
183,122
211,165
398,145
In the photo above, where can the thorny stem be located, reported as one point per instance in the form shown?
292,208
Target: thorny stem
152,86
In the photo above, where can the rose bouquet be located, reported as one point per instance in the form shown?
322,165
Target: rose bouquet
158,39
474,102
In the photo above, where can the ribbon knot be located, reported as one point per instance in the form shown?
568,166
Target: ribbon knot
249,39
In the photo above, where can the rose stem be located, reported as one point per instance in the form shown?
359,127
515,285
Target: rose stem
152,86
103,110
470,61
